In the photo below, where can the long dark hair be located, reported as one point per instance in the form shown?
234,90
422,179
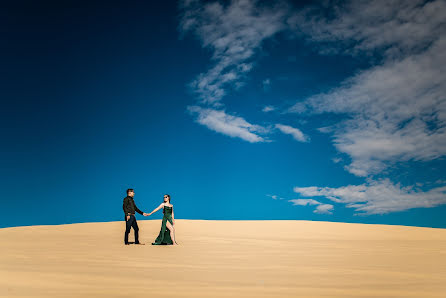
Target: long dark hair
168,197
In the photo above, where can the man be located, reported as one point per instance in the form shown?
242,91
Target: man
129,207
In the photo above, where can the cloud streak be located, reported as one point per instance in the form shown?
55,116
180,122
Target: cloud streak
395,27
378,197
321,208
294,132
233,126
267,109
233,33
398,107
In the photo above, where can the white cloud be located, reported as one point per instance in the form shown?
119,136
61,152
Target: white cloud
336,159
266,83
296,133
394,27
304,202
320,207
325,129
233,33
275,197
398,107
267,109
233,126
324,209
378,197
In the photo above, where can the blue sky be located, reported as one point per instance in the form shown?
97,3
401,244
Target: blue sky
238,109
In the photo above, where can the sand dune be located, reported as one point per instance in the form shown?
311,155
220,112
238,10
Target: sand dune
224,259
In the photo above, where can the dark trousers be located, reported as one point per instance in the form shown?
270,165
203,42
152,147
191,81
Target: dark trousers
129,224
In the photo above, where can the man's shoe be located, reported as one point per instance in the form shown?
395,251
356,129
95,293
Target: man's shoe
127,243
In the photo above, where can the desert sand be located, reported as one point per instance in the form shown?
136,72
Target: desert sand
282,258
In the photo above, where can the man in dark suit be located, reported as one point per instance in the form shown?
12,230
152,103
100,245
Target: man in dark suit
129,208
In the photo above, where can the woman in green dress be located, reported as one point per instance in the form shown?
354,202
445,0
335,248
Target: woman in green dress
167,233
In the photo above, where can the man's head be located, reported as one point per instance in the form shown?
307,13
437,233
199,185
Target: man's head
130,192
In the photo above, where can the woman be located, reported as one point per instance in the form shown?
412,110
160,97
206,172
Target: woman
167,233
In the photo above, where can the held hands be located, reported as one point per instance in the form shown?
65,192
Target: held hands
146,214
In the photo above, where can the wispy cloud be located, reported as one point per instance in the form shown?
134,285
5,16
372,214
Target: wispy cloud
233,126
320,207
233,33
266,83
378,197
297,134
396,27
398,106
275,197
336,159
325,129
304,202
267,109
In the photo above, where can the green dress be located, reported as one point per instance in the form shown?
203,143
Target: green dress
164,235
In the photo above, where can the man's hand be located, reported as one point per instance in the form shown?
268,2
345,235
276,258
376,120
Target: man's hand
146,214
128,217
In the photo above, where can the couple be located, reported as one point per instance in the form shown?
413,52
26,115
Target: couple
167,233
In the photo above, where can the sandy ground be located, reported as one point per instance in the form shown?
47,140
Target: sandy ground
224,259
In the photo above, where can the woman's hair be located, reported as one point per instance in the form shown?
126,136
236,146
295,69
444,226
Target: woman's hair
168,197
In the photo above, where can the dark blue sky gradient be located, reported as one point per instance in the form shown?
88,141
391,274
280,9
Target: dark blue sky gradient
94,100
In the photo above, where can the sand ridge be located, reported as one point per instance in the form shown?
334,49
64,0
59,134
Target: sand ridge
270,258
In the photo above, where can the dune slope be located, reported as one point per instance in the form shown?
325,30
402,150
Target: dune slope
224,259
